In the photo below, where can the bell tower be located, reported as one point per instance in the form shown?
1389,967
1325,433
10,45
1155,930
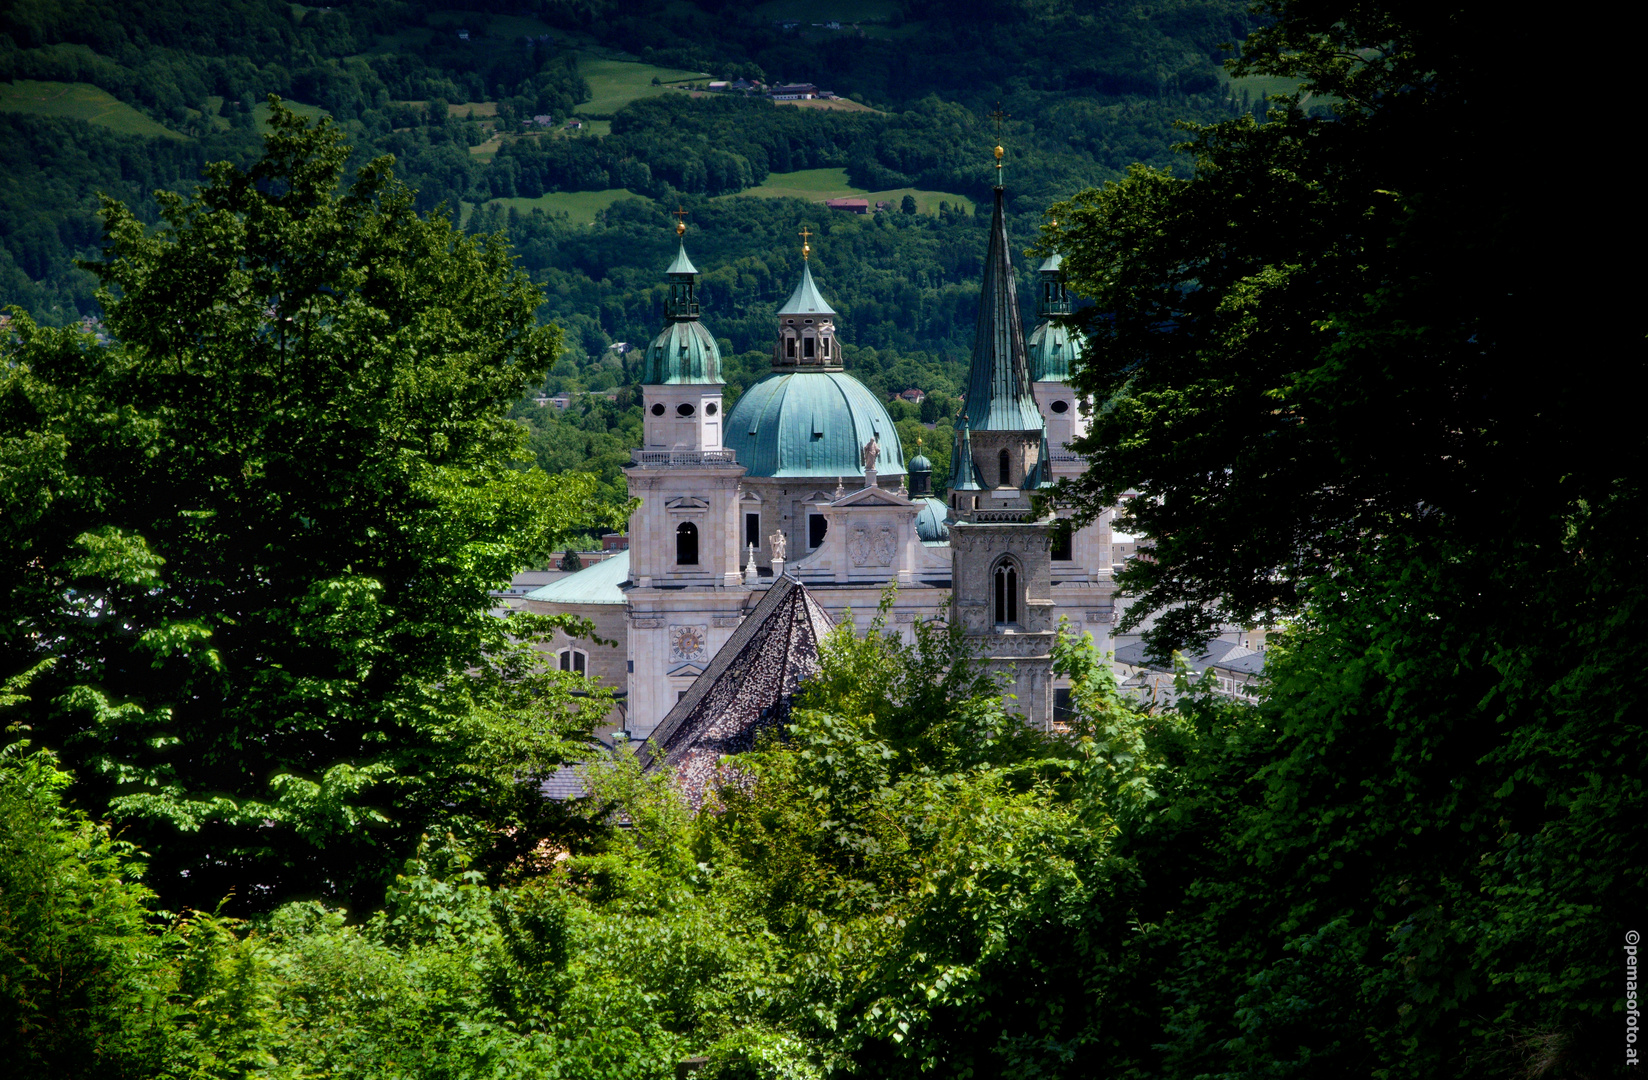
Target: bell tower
685,588
1001,577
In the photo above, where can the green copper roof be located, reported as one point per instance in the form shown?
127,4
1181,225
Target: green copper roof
682,264
806,300
1051,264
998,385
919,463
683,353
596,584
963,471
932,523
1052,350
811,423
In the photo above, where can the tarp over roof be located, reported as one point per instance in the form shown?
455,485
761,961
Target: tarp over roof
596,584
746,689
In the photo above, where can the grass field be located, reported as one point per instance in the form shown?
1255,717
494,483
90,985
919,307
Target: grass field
838,104
260,112
615,83
816,185
80,101
580,207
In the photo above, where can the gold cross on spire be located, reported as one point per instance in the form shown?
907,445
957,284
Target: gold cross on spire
999,117
680,216
806,248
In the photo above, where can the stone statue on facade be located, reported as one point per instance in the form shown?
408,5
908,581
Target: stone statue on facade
778,542
872,454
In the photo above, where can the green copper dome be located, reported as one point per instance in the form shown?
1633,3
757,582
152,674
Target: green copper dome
919,463
811,423
683,353
933,521
1052,350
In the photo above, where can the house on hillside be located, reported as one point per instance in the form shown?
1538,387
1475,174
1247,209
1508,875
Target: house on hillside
793,92
852,206
914,396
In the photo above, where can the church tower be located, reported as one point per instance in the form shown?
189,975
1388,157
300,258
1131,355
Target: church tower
685,588
1001,576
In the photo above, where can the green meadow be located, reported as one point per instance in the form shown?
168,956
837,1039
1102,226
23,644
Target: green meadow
580,207
615,83
817,185
80,101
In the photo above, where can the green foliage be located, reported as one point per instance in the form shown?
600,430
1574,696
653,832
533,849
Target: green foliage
1411,859
258,534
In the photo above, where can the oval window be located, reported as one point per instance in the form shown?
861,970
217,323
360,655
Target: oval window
710,409
1061,406
684,409
658,410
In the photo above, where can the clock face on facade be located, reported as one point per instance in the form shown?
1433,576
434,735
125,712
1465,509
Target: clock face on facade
688,642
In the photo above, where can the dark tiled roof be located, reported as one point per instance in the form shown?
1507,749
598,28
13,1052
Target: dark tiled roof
1219,654
745,690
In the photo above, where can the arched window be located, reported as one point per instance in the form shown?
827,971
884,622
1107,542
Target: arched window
1007,593
574,660
686,544
1006,464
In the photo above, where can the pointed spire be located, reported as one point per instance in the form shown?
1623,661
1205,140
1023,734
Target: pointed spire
682,264
964,474
806,299
998,386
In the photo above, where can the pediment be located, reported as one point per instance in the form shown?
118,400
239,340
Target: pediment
687,502
874,496
686,670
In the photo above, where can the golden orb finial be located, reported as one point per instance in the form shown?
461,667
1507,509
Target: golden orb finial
806,248
679,214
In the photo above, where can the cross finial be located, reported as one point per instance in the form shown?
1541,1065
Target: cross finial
806,248
680,216
999,117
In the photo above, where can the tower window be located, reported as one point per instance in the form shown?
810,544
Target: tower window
789,347
826,348
684,409
1060,406
710,409
1006,464
658,410
686,544
574,660
752,530
1007,593
817,526
807,347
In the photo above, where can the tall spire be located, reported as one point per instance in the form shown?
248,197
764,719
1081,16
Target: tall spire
998,386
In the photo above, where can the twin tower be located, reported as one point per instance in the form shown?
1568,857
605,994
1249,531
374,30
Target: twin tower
807,477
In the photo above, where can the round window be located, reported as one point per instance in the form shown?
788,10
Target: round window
658,410
710,409
684,409
1061,406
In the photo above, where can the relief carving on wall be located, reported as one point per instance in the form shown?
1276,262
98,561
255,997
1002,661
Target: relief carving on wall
689,643
872,545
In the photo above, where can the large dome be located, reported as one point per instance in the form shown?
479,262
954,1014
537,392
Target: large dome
811,423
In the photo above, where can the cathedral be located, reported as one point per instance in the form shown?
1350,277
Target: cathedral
805,484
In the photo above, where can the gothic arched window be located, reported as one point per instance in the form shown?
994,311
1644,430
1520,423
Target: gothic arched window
1007,592
1006,469
686,544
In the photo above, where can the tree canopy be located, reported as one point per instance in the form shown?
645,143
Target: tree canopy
250,541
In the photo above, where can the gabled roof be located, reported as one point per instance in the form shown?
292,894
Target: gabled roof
746,689
998,384
1219,653
806,299
596,584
